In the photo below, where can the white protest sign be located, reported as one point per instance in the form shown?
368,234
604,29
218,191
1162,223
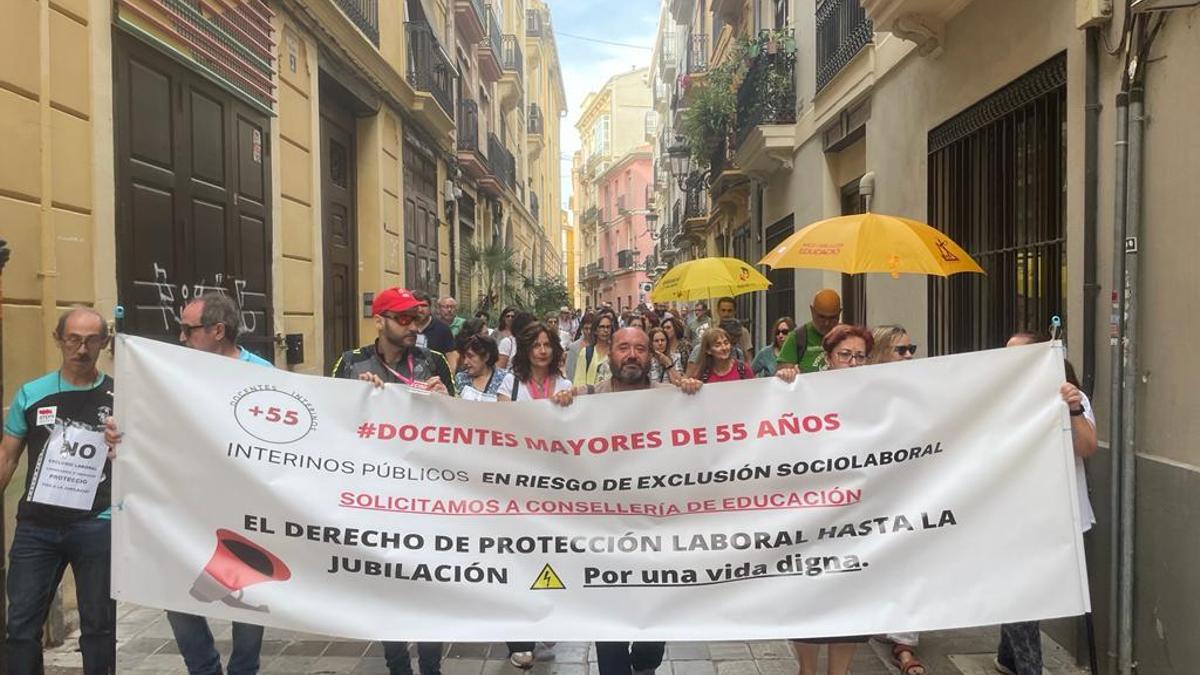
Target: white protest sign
921,495
70,467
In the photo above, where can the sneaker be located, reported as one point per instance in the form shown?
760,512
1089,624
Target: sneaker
1001,668
648,671
522,660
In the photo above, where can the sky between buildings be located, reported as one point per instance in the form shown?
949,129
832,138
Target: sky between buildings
586,64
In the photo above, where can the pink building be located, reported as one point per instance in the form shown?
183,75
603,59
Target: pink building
623,238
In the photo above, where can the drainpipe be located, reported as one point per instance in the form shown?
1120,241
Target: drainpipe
1133,223
1116,375
1091,140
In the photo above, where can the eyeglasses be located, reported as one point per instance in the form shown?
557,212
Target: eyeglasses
903,349
185,330
402,319
92,341
847,356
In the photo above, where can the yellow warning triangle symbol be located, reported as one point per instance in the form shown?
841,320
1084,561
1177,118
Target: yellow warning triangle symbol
547,580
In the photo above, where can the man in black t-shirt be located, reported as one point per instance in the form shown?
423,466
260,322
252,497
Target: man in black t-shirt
63,516
433,333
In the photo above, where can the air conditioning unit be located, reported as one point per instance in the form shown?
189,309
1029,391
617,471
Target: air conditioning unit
1140,6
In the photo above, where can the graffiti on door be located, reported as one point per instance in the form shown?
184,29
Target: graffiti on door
173,297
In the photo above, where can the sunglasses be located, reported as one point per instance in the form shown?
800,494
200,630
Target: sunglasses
905,349
783,331
402,319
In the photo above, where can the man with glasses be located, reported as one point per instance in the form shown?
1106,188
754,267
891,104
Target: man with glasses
396,358
211,323
60,418
826,311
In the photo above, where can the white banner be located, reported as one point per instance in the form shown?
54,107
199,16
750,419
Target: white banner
921,495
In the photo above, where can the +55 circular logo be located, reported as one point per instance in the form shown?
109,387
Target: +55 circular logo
273,416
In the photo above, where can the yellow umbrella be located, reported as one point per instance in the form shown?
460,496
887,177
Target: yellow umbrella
705,278
872,242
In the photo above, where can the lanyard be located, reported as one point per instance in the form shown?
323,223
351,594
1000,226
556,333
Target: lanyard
533,388
404,380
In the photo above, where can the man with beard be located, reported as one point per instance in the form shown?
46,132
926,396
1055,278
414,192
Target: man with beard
59,418
629,361
396,358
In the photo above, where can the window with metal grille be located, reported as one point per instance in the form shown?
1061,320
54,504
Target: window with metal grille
781,295
997,186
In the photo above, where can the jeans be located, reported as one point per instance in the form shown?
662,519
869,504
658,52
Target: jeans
1021,647
429,658
624,658
200,655
38,558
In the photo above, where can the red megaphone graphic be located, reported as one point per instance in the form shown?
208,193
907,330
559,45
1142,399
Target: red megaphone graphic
236,564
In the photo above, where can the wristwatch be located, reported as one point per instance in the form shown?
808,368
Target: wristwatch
1076,412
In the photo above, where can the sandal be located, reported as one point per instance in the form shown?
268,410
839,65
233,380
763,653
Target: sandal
910,666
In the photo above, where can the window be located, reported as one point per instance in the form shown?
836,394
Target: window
782,19
854,286
997,186
600,140
781,294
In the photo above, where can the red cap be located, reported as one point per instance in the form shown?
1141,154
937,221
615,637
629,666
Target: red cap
395,300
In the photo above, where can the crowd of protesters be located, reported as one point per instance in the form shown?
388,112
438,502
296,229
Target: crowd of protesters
559,356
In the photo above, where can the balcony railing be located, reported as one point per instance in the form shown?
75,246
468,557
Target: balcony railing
767,94
364,14
468,125
535,123
504,167
588,217
536,23
511,58
534,207
843,29
625,259
621,204
428,68
493,32
697,55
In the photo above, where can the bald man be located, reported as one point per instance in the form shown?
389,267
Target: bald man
826,311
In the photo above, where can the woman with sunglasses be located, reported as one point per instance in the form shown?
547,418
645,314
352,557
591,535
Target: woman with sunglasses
504,324
844,347
891,344
767,358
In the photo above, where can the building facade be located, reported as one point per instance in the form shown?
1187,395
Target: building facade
623,237
611,125
996,121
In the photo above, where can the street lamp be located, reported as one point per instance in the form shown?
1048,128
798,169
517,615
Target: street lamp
680,157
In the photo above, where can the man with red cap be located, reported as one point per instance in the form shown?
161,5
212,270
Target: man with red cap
395,357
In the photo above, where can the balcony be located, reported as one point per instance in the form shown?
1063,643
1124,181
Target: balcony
621,205
625,260
695,209
364,14
487,52
919,21
697,54
843,29
470,16
766,113
537,23
512,66
428,68
681,10
650,128
588,218
504,167
535,124
470,157
668,56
